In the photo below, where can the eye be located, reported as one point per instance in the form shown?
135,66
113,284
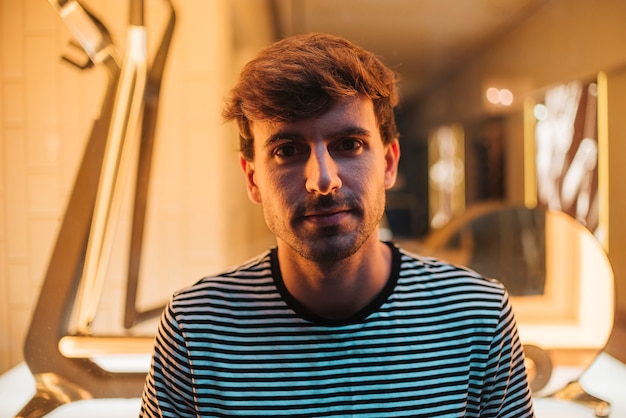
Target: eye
287,150
350,145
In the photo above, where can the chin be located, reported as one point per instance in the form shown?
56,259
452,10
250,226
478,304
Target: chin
331,250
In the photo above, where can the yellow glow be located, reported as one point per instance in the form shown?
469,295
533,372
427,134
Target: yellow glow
530,175
506,97
499,97
493,95
603,159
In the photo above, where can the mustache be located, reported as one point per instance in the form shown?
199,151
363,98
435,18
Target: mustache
314,204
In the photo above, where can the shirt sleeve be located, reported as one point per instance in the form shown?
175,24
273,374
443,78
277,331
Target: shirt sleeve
507,392
168,390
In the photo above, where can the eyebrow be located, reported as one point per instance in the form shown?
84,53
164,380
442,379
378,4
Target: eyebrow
294,136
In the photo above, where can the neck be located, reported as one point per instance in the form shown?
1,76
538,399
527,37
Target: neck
341,289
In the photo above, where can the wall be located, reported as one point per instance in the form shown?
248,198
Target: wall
199,217
563,40
616,127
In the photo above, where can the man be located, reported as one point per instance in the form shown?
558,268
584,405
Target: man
332,322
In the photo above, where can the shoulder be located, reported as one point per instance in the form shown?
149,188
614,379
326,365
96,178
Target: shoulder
451,296
441,277
252,276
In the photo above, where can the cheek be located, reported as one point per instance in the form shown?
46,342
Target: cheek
365,177
277,189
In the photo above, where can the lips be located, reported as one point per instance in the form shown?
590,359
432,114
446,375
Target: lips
327,210
327,217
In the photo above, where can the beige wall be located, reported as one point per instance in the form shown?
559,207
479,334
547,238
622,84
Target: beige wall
562,41
199,218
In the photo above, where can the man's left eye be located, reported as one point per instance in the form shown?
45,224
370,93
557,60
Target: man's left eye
350,144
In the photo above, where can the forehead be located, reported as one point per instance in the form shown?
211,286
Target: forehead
353,114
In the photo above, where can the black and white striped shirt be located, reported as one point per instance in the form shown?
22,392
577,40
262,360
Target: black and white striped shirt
439,341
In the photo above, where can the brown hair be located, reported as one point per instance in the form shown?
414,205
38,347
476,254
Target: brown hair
302,77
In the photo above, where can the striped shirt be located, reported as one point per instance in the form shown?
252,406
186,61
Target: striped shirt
438,341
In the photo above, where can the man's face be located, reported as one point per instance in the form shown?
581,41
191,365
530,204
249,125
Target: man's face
322,181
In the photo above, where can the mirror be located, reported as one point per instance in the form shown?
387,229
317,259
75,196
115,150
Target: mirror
560,281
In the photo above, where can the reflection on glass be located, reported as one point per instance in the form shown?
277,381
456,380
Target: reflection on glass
555,270
515,254
446,174
557,273
566,149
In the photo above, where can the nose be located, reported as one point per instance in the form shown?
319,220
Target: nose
322,176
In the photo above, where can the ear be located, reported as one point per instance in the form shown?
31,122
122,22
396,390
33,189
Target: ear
250,175
392,156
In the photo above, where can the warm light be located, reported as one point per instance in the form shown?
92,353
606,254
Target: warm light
502,97
540,112
493,95
506,97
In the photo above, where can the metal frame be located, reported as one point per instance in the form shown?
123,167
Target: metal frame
60,358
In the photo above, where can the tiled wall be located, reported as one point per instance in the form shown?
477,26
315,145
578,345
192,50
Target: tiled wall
199,218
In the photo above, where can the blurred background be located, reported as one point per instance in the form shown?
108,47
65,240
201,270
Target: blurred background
471,74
